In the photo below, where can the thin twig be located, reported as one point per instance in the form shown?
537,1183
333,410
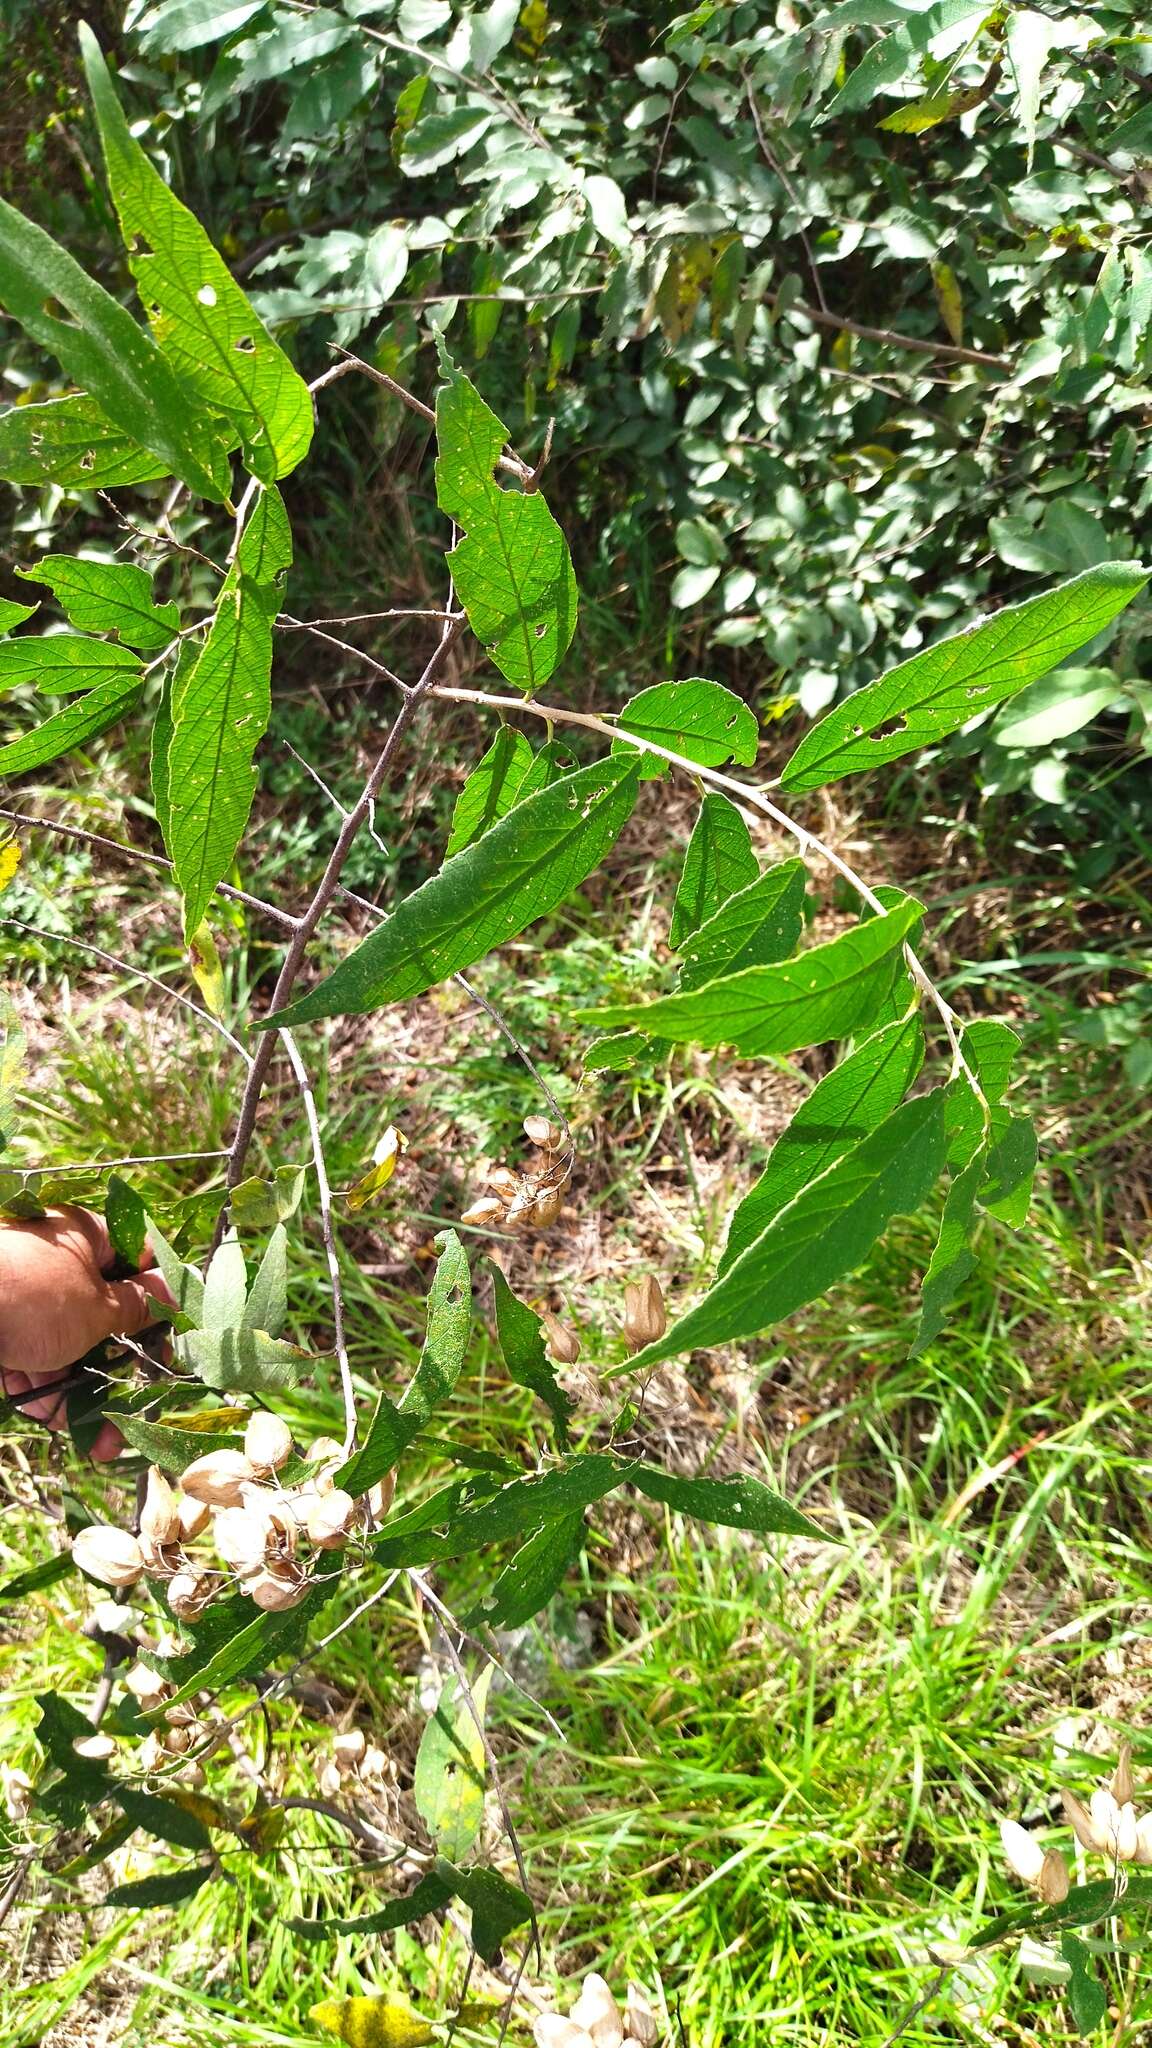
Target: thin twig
349,361
347,1389
140,854
109,1165
914,2010
290,625
949,350
137,974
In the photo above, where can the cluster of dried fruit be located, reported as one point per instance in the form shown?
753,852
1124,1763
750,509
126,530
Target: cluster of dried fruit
645,1319
1109,1825
267,1536
357,1762
596,2020
533,1200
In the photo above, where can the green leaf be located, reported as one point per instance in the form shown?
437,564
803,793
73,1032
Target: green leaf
755,928
952,1258
171,1448
701,720
989,1048
1085,1904
199,315
615,1054
529,1581
550,763
107,597
236,1646
187,24
170,1890
162,1818
60,663
232,1358
521,1335
497,1905
72,443
445,1344
100,345
127,1220
267,1304
428,1896
84,720
733,1503
518,1507
389,1434
1087,1998
184,1281
512,570
522,868
825,1233
1057,706
1029,38
161,743
718,861
225,1287
36,1577
438,139
1007,1189
940,690
449,1779
831,991
842,1108
491,789
220,711
13,614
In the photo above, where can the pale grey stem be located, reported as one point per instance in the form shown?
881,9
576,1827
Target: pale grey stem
347,1389
109,1165
137,974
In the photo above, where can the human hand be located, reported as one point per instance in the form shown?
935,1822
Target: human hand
56,1305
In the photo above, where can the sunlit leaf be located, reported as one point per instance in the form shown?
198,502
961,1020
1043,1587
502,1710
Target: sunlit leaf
61,663
72,443
107,597
701,720
448,1782
531,1578
377,2022
498,1906
84,720
759,925
207,968
952,1257
491,789
386,1156
718,862
521,1335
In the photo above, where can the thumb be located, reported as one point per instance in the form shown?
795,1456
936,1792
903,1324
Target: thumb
132,1304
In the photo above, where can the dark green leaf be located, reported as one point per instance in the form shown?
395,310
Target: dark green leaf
831,991
389,1434
491,789
531,1578
445,1343
220,711
100,345
82,721
733,1503
521,1505
170,1890
512,570
1007,1189
162,1818
249,1648
989,1048
842,1108
173,1449
267,1303
200,316
127,1220
107,597
952,1259
940,690
71,443
1087,1997
448,1782
1085,1904
35,1577
701,720
758,926
497,1905
522,868
718,862
426,1897
521,1335
824,1234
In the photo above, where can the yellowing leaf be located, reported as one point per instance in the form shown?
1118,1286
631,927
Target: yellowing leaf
947,288
391,1148
9,861
372,2023
207,969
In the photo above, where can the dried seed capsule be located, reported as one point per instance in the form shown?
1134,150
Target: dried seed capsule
151,1754
242,1536
552,2030
147,1686
639,2018
504,1184
109,1618
1122,1788
195,1516
17,1792
380,1497
331,1782
561,1343
177,1741
108,1555
95,1748
161,1560
190,1592
267,1443
488,1213
598,2013
645,1316
545,1209
330,1518
160,1514
193,1776
276,1590
550,1137
1053,1881
217,1478
376,1767
348,1749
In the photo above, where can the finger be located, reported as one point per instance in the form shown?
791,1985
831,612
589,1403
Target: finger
132,1304
94,1231
48,1408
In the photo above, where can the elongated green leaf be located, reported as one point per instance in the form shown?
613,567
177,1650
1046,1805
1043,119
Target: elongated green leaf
718,861
756,927
521,1335
107,597
521,1505
187,24
161,1818
449,1326
1007,1190
512,570
199,315
831,991
550,763
824,1233
1085,1904
1087,1997
173,1449
72,443
491,789
842,1108
232,1358
100,345
127,1220
267,1303
85,720
733,1503
952,1257
170,1890
37,1576
220,711
389,1434
497,1905
449,1779
521,869
185,1282
62,663
13,614
225,1287
615,1054
529,1581
938,691
989,1048
701,720
222,1658
426,1897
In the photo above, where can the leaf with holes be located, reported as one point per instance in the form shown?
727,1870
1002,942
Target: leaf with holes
529,1581
99,344
199,315
521,1335
935,693
718,862
831,991
701,720
727,1503
758,926
952,1257
449,1780
72,443
449,1325
825,1233
512,570
220,711
85,720
842,1108
107,597
428,1896
522,868
497,1905
491,789
59,664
